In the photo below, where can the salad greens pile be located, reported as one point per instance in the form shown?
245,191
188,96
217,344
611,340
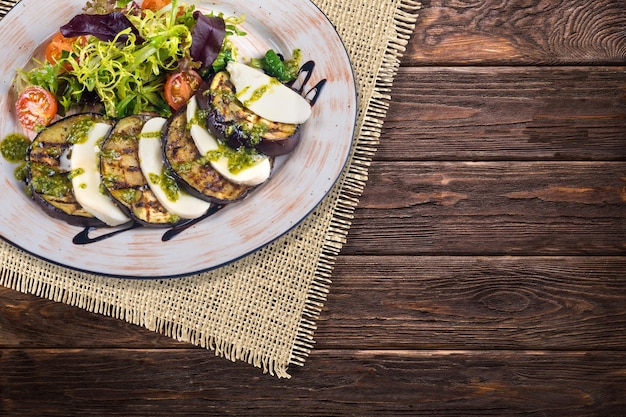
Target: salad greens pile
124,53
125,62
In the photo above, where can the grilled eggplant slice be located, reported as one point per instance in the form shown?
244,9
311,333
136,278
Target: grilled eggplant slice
237,126
194,172
123,179
49,177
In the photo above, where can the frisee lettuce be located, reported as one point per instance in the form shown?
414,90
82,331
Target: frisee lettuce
127,74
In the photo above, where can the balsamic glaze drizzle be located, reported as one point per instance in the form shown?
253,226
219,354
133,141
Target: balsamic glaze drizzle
312,94
83,238
179,228
307,70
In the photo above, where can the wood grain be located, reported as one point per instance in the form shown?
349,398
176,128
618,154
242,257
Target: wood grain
506,113
528,32
452,302
480,208
399,302
336,383
27,321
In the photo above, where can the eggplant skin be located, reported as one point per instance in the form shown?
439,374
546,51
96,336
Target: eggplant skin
49,184
193,172
237,126
123,179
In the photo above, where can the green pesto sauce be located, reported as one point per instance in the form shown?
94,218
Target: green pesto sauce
45,180
238,159
79,131
199,119
109,180
243,91
110,155
256,95
255,133
122,137
14,147
150,135
128,195
259,92
76,172
228,95
21,172
54,151
293,65
174,218
57,186
186,167
42,170
167,183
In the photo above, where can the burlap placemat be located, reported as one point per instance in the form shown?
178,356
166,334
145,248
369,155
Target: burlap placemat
261,309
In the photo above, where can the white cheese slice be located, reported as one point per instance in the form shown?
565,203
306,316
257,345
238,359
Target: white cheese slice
151,163
203,139
255,175
206,142
266,96
86,181
64,160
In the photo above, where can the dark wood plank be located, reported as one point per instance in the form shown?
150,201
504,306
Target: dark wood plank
519,32
334,383
504,113
448,302
29,321
401,303
495,208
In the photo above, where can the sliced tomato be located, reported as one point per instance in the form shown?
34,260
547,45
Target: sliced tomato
35,108
180,86
60,44
154,5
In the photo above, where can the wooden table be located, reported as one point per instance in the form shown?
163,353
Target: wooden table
485,272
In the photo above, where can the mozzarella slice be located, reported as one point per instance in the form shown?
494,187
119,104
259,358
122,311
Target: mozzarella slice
250,177
266,96
206,142
64,160
86,180
151,163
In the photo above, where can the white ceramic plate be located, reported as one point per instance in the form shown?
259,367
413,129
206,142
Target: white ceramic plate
297,186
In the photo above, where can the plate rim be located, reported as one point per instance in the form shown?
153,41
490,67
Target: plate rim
332,184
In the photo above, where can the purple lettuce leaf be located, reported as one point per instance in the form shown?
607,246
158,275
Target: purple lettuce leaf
103,26
207,38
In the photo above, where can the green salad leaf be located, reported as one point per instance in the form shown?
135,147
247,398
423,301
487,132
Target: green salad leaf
126,74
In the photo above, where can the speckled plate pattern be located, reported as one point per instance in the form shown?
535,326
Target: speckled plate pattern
298,184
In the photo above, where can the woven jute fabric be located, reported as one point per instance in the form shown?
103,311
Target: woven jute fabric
261,309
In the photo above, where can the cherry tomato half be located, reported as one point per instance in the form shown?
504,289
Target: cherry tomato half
154,5
180,86
35,107
59,44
